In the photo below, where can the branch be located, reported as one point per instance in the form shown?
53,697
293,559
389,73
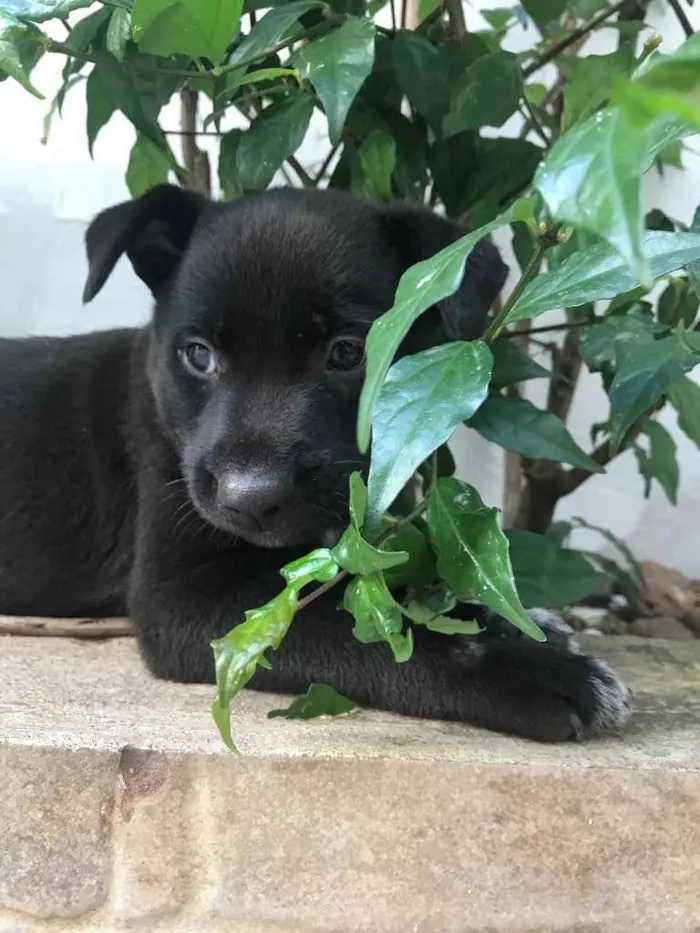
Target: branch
458,26
325,164
65,628
546,57
198,177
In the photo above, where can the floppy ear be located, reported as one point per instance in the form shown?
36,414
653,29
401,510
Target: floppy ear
152,230
419,234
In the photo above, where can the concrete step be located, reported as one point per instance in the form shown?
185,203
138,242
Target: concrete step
120,810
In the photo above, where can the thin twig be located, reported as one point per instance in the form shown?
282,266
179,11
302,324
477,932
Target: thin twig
546,329
324,165
546,57
682,18
304,177
65,628
529,272
61,48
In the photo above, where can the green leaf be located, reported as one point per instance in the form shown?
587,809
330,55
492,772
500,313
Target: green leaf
100,106
422,286
633,567
446,625
422,74
377,615
228,169
238,654
139,96
272,137
419,569
660,462
118,32
589,81
549,576
600,343
684,395
38,11
236,79
591,178
377,158
421,403
668,84
21,46
352,552
693,268
275,25
511,365
473,552
319,700
599,272
643,373
197,28
148,166
517,425
487,94
337,65
544,12
678,304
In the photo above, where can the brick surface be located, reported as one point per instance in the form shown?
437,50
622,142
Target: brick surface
121,811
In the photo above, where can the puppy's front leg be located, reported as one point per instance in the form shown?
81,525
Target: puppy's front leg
181,599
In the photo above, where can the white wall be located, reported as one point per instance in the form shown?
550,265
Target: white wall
49,192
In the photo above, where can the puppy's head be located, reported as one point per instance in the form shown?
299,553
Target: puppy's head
262,308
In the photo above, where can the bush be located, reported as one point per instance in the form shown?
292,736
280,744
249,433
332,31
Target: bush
411,114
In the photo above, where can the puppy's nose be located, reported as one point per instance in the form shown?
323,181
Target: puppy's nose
253,496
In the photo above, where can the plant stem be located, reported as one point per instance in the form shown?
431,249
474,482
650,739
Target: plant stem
320,590
535,123
397,524
682,18
303,176
324,166
546,57
60,48
530,271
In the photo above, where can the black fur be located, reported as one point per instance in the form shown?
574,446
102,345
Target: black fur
127,484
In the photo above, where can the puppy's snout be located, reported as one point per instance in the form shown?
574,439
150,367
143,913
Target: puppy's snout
251,497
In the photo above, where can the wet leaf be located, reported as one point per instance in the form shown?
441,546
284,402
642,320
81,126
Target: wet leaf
272,137
599,272
148,166
517,425
685,398
473,552
377,615
421,403
659,461
337,65
511,365
353,553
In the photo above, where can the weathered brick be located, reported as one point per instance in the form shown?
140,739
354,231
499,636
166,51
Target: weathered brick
153,862
54,815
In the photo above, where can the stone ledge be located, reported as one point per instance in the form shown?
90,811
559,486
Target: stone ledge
121,811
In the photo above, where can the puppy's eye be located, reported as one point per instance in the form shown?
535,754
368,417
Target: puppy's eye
346,354
199,358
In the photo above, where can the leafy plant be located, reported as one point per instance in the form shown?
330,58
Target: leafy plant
411,114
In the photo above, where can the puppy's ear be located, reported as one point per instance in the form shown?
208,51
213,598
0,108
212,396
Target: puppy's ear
419,234
152,230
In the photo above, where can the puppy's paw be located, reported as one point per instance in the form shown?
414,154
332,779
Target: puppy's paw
542,692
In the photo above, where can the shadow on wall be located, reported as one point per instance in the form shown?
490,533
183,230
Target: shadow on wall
42,270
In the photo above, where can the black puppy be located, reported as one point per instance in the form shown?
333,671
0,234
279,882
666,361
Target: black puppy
168,472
